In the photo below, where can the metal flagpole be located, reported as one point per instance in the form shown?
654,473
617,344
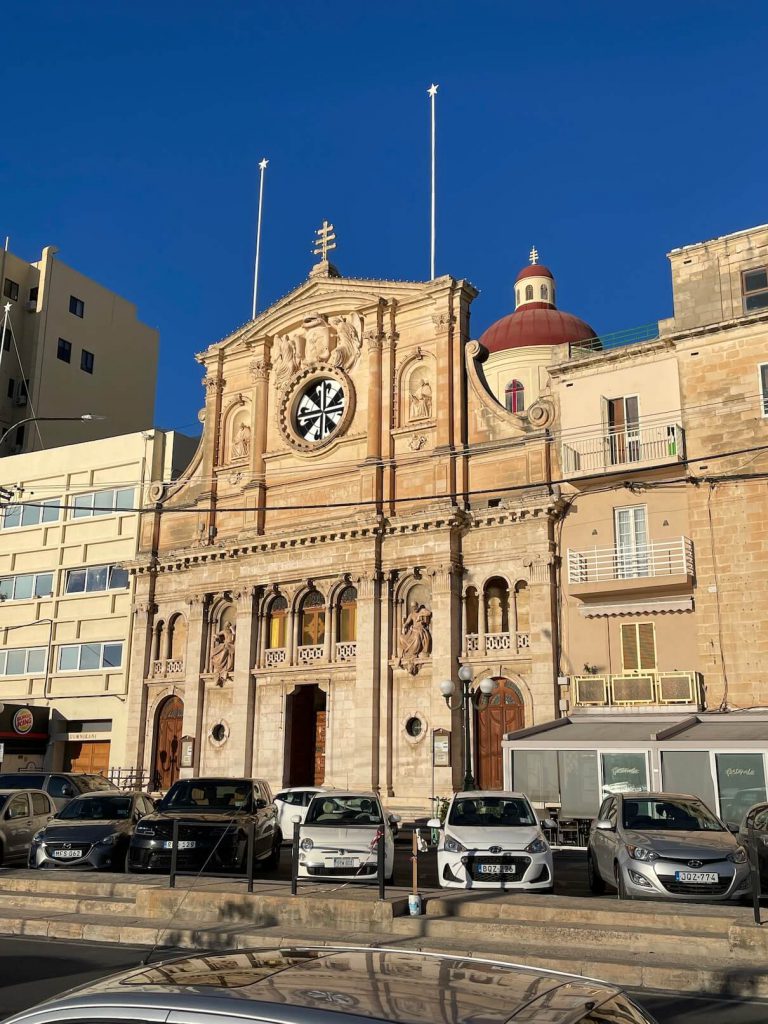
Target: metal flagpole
262,167
432,93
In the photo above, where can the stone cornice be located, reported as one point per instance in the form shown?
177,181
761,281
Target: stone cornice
707,330
627,353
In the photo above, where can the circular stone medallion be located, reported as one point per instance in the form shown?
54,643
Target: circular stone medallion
319,409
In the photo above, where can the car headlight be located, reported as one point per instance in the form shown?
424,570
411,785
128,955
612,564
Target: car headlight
109,840
37,838
641,853
306,844
539,845
739,855
144,830
451,845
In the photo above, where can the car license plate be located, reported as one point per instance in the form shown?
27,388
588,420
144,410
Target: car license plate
183,844
345,862
702,877
496,869
66,853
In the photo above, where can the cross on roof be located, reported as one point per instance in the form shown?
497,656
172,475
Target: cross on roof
533,255
326,240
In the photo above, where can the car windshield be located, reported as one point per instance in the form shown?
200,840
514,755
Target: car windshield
210,796
94,783
492,812
344,810
101,808
669,815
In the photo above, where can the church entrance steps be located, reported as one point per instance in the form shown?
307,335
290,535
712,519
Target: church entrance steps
693,948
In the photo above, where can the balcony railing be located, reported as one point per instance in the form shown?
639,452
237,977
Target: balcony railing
663,442
663,558
311,653
275,656
163,667
634,689
498,642
346,650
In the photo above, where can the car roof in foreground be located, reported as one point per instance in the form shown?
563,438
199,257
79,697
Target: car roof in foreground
660,795
304,983
502,794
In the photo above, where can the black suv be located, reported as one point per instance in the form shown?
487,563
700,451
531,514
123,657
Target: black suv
214,815
61,787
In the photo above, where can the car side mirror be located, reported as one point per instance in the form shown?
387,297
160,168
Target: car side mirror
296,819
604,825
67,791
395,818
548,823
261,803
434,823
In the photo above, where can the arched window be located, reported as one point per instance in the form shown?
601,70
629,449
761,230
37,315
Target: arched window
545,293
177,639
528,292
277,621
157,645
522,607
472,606
496,605
312,620
348,615
514,396
517,296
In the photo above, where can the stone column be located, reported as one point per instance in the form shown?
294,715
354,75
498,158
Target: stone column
263,623
194,689
141,654
444,404
242,706
446,644
259,369
543,638
329,649
363,730
463,624
482,623
214,386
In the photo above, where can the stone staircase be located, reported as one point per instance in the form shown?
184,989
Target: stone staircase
679,947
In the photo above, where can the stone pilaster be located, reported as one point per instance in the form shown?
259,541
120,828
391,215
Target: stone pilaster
543,637
363,730
446,646
141,652
242,705
259,369
194,688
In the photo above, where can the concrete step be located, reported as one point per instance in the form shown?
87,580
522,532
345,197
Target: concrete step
83,883
66,903
713,918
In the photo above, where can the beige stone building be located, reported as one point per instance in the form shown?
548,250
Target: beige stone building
65,615
72,346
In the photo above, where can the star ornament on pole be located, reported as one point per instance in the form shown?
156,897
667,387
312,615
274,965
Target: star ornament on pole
263,164
7,307
432,90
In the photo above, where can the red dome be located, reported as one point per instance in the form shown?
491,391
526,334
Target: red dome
535,323
535,270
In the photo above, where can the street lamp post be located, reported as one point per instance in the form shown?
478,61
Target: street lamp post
85,418
467,699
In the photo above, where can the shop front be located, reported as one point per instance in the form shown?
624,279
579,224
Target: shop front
568,766
23,737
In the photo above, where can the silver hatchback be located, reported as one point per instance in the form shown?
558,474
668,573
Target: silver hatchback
667,845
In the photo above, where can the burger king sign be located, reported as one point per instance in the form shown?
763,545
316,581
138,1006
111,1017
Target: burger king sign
23,721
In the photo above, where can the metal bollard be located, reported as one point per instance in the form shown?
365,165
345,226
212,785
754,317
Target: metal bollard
251,840
754,872
174,853
295,858
381,862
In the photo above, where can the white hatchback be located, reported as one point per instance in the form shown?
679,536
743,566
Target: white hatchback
493,840
340,837
293,803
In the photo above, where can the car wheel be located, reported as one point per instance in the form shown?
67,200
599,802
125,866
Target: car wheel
594,879
621,889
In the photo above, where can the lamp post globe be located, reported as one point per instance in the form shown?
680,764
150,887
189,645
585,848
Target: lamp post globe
487,686
465,673
447,688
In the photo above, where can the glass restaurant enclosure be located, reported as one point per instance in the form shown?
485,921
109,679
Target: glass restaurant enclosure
567,766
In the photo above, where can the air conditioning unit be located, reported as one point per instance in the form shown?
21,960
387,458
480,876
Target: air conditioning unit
632,690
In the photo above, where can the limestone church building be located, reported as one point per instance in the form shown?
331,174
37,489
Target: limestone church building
362,518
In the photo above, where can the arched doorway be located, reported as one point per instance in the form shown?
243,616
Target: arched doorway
305,713
502,712
168,725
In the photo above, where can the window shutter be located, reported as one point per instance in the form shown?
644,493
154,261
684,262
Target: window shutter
646,645
638,647
629,658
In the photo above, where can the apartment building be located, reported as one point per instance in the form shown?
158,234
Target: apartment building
66,600
71,347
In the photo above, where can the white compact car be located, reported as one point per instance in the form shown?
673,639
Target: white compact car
291,803
340,836
493,840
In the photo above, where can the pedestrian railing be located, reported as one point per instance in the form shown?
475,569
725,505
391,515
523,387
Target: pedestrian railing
378,849
229,830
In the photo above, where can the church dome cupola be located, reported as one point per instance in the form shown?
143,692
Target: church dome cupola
535,283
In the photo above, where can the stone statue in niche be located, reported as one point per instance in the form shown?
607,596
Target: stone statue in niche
421,399
317,344
223,654
415,638
349,341
241,443
286,361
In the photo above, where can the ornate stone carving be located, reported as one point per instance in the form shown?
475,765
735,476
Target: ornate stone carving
442,321
417,442
259,369
241,443
391,339
541,413
197,604
156,491
415,642
348,341
317,339
222,660
212,384
287,360
539,569
374,339
420,398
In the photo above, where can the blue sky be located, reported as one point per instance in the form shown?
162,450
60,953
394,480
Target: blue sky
605,133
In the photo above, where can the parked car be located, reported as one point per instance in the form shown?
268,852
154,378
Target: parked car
667,845
293,803
493,840
22,814
337,984
214,815
61,787
340,834
754,826
92,831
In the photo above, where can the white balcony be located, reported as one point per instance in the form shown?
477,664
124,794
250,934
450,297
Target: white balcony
595,453
346,650
489,643
311,653
637,689
671,559
164,667
275,656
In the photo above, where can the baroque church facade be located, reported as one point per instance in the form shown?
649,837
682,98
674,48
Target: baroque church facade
361,519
